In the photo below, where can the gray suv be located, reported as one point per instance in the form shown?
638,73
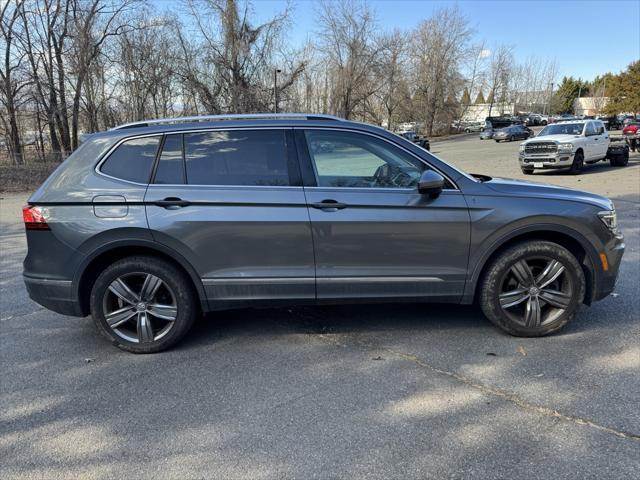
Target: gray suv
151,224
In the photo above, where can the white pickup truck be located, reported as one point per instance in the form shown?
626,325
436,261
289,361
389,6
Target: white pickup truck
568,144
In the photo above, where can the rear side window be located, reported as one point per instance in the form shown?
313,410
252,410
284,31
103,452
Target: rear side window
236,157
132,160
590,129
170,167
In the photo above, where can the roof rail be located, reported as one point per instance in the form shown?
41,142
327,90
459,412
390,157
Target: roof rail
246,116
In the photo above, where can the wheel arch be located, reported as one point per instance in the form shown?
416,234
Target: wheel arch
108,254
568,238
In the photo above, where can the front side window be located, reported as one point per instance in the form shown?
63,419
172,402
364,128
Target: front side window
236,157
132,160
348,159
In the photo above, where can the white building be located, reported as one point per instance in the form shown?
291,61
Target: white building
480,111
589,105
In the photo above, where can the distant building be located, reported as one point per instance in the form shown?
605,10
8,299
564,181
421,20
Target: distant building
589,105
519,102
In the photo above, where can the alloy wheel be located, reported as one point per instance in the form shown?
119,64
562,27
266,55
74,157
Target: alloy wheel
139,307
536,291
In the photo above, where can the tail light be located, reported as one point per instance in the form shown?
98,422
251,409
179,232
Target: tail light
35,218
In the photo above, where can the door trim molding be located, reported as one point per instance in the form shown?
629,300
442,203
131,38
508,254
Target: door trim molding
386,279
256,280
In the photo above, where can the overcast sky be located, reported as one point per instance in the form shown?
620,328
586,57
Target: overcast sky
586,37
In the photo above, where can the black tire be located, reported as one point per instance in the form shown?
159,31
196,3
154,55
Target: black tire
527,171
511,138
466,130
552,318
175,284
578,163
620,160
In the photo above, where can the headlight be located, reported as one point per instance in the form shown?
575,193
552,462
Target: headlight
610,219
522,147
565,147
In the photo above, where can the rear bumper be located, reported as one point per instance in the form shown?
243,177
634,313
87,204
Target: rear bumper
56,295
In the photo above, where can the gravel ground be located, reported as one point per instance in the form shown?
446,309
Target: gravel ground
395,391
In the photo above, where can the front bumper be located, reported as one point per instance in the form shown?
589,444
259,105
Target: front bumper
552,160
607,281
56,295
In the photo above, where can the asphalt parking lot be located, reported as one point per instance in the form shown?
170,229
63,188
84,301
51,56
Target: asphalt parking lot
394,391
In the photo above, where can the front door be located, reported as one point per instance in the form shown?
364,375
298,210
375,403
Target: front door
231,202
374,235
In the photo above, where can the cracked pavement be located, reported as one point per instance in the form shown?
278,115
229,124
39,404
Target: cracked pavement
367,391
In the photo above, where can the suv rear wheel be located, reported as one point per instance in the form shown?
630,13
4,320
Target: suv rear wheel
533,289
143,304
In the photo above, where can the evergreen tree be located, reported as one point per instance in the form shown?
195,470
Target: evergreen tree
624,91
466,98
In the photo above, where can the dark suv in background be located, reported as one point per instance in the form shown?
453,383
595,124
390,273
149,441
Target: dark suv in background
147,226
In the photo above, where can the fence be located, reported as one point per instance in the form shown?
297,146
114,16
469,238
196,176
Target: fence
31,155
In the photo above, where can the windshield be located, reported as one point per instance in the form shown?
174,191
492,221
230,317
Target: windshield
562,129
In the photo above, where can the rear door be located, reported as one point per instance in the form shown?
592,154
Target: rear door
231,202
374,234
602,138
592,147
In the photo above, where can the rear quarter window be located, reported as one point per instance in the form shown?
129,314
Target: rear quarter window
132,160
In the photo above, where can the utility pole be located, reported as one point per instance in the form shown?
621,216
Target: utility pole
577,103
275,89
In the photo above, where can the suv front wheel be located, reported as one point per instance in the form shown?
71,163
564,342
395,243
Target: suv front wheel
143,304
533,289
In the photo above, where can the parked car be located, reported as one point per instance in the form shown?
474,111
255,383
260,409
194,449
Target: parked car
536,119
495,123
565,145
627,119
487,134
515,132
473,127
150,224
417,139
610,122
631,128
565,117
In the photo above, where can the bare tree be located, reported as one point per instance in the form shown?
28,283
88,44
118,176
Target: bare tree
230,61
93,22
393,89
439,46
12,82
474,71
500,70
347,30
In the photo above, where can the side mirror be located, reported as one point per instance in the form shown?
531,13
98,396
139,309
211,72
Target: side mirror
431,183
